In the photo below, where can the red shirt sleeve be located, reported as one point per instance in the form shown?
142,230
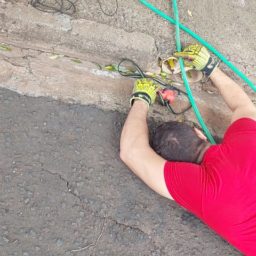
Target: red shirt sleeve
184,182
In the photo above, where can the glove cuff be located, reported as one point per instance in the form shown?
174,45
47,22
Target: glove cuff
210,66
140,96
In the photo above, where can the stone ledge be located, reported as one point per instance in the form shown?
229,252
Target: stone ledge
34,73
80,36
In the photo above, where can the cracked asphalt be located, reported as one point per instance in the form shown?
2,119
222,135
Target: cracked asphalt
64,191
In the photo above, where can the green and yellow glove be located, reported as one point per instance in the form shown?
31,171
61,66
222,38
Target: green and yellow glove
145,90
198,57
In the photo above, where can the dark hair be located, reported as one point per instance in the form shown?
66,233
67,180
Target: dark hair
176,141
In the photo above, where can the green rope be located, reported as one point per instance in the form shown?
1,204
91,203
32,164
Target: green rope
184,75
203,42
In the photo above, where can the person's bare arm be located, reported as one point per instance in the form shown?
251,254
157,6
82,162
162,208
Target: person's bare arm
238,101
234,96
136,152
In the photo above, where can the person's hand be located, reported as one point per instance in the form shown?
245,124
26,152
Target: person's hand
145,90
198,57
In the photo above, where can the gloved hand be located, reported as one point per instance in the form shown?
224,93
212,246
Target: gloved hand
145,90
198,57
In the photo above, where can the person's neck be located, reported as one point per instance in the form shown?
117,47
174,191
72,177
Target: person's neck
205,147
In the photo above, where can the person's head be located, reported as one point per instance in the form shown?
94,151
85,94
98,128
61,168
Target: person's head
176,141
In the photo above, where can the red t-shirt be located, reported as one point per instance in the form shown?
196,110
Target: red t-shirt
221,191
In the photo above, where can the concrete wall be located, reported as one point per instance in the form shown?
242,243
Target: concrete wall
36,38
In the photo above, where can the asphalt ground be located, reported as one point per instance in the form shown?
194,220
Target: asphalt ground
64,190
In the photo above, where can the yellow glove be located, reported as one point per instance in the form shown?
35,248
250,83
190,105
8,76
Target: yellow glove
145,90
199,58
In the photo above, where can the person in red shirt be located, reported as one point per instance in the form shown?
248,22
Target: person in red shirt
217,183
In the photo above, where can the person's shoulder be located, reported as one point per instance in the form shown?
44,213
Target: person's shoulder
241,126
211,153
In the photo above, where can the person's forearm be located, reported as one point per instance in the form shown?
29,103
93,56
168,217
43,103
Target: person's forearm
136,152
135,130
232,93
